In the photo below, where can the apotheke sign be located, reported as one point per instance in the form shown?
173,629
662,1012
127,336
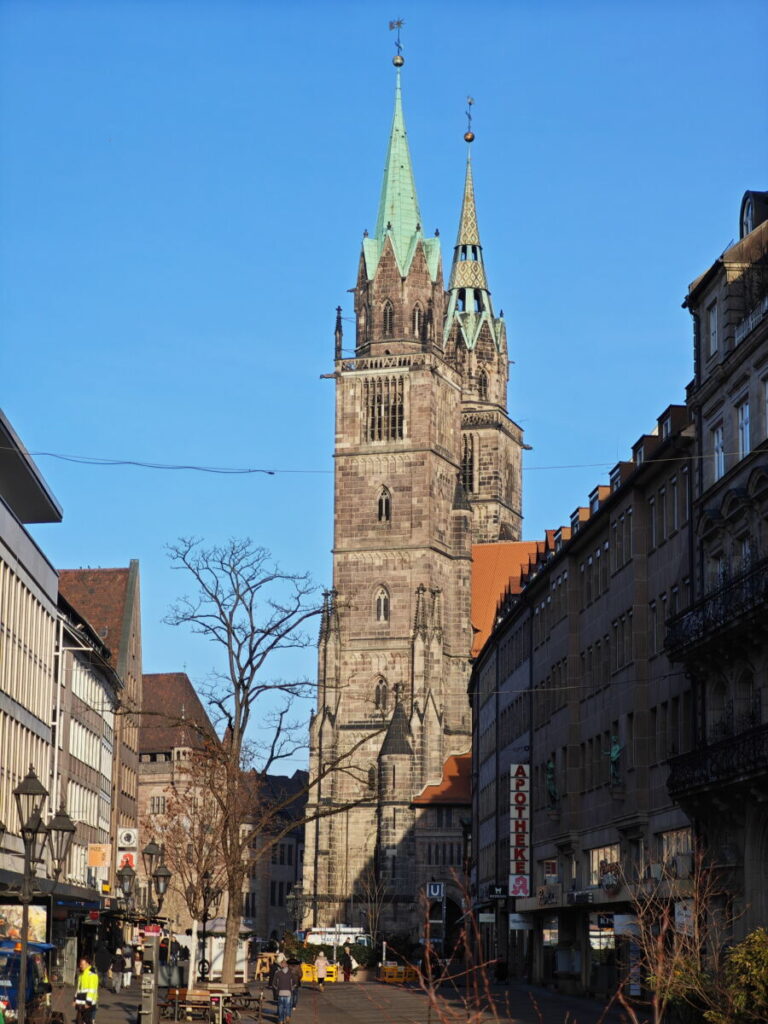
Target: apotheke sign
520,830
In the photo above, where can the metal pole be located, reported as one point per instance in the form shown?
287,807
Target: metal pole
25,896
149,982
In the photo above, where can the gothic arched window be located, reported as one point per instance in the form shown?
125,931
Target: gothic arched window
418,321
382,605
384,506
372,778
388,319
381,695
482,386
468,463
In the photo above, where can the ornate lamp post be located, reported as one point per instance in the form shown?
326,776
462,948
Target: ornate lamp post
294,901
30,796
211,897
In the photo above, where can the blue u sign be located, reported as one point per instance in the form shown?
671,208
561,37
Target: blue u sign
435,890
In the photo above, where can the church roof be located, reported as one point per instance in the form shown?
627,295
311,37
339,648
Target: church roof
455,787
495,569
468,273
397,740
399,218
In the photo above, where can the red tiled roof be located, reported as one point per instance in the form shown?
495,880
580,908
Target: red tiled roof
495,569
455,787
99,595
172,714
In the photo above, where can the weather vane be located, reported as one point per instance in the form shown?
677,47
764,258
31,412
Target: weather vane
398,60
469,135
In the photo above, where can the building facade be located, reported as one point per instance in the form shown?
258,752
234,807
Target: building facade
721,641
576,712
427,461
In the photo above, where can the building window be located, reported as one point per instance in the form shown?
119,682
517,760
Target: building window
718,451
372,779
675,842
384,506
157,805
652,523
418,321
382,605
468,463
388,319
381,695
742,421
711,330
482,386
384,408
601,860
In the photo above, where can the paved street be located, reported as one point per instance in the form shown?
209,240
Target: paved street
364,1003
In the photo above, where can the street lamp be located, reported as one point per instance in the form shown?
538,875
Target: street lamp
30,796
211,896
295,904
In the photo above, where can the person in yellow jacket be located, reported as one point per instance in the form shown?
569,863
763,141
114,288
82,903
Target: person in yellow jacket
86,992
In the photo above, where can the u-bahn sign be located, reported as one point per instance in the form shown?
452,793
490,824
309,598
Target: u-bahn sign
520,830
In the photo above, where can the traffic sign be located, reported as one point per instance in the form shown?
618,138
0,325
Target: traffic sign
435,890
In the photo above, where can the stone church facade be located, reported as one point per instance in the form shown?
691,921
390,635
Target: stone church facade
427,464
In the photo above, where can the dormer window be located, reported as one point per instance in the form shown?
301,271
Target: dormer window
388,319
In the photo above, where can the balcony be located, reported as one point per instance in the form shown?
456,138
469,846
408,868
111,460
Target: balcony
740,758
738,604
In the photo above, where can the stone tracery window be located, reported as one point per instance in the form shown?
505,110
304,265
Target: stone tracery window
384,509
384,408
382,605
381,695
418,321
468,477
482,386
388,319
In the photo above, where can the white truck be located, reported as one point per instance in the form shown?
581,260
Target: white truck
337,935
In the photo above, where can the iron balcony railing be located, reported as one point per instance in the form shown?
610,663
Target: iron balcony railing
733,602
739,758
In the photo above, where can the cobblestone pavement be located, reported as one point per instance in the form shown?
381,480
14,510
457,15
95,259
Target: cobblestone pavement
367,1002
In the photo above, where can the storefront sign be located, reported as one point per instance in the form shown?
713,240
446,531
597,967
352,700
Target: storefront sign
520,830
98,855
520,923
486,918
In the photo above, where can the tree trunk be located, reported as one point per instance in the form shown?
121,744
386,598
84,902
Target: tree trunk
232,936
192,976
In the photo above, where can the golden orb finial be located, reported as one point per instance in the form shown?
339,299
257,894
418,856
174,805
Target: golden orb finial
469,136
398,60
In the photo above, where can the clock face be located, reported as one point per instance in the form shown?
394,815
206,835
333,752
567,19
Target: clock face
126,838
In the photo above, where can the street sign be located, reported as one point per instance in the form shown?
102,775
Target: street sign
435,890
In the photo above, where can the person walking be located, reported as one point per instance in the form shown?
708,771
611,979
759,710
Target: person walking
294,966
118,970
321,967
345,961
102,960
282,986
138,959
86,992
126,958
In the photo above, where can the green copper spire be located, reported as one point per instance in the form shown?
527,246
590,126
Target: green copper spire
399,218
469,299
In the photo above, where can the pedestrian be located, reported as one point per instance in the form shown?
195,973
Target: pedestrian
138,959
126,958
102,960
321,967
86,992
294,966
345,961
282,986
118,970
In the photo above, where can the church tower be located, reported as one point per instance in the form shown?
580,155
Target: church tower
476,342
395,635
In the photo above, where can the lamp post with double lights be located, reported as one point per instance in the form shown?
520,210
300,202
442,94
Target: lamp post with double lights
158,879
30,796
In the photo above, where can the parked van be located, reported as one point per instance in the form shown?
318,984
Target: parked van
38,995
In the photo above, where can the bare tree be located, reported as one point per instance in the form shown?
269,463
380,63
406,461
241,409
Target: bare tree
373,893
252,610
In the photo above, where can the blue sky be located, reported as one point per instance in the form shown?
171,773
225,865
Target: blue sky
184,187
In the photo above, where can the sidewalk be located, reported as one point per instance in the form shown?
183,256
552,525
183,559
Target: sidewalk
376,1003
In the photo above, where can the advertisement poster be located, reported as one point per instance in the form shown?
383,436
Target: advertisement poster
98,855
10,922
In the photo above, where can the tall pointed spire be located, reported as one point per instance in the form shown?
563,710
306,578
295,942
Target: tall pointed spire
399,218
469,298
